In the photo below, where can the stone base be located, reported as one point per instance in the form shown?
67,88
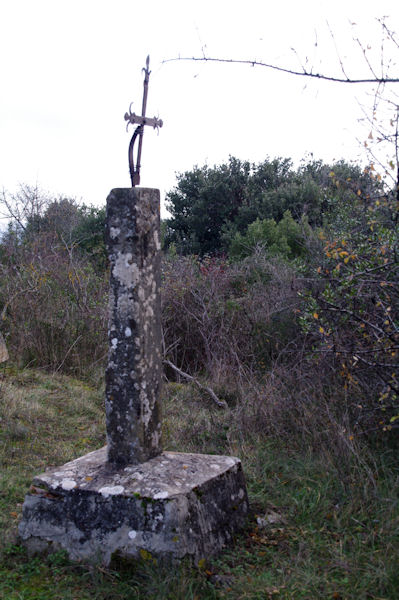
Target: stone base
171,506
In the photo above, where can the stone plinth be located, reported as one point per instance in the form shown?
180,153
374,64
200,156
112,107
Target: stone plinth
171,506
134,371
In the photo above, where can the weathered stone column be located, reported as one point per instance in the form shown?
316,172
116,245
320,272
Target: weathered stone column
130,497
133,375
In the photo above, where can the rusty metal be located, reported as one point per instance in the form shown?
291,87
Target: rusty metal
141,121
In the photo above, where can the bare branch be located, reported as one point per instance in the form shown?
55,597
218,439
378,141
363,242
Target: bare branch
303,73
389,33
220,403
363,49
337,51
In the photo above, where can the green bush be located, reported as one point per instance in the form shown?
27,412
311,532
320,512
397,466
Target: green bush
287,238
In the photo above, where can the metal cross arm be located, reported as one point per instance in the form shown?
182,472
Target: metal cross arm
140,121
132,118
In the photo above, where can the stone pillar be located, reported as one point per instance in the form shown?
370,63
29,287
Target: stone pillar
3,350
115,500
134,371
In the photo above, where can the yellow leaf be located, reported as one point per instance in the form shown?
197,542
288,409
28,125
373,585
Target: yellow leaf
321,329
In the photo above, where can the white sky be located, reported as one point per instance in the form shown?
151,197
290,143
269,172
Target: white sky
69,70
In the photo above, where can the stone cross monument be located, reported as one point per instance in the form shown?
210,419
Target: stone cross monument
130,495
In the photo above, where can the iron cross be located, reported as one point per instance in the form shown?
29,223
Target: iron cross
142,120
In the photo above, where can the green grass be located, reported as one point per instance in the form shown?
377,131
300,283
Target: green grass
320,528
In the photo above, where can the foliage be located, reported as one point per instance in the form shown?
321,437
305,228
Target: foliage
36,220
286,238
88,236
354,309
202,202
223,319
59,219
53,309
209,206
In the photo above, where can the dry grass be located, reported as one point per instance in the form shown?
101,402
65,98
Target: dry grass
334,533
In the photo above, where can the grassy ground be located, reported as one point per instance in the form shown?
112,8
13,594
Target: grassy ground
319,529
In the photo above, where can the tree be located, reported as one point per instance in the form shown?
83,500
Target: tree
210,206
379,68
202,202
351,311
37,222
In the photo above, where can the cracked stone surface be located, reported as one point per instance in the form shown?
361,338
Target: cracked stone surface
172,506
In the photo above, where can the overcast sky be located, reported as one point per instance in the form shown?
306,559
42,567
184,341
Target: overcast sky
69,71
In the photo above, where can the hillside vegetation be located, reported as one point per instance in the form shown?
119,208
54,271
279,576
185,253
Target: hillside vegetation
280,295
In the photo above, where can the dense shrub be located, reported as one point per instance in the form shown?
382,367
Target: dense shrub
287,238
226,320
53,309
